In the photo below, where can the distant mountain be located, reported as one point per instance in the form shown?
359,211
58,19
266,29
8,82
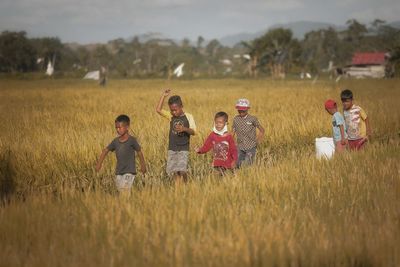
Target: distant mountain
231,40
299,29
395,24
145,37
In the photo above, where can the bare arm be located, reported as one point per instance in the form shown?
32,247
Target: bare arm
190,131
181,128
143,168
343,140
262,132
206,146
368,128
161,101
101,159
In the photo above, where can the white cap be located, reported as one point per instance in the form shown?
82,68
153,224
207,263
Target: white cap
243,104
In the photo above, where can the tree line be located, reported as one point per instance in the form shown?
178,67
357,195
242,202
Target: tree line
276,53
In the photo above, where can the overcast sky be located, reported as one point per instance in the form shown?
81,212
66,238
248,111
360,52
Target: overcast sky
88,21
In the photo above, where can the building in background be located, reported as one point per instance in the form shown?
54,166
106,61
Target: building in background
368,65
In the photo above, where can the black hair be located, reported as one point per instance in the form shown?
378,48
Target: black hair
221,114
123,118
346,94
175,99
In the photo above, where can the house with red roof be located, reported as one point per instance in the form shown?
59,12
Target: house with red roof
371,64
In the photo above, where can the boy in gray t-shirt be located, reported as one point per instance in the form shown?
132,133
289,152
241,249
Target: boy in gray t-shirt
125,147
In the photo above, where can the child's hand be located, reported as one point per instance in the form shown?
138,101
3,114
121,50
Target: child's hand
233,165
197,149
143,169
369,134
344,142
259,138
98,167
180,128
166,92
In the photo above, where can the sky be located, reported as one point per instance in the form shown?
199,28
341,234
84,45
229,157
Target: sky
89,21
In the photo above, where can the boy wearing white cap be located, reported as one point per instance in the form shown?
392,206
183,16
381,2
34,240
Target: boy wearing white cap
244,128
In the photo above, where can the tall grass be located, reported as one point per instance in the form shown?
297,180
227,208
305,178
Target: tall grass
288,210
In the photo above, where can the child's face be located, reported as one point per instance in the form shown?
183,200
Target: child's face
331,110
347,103
243,113
122,128
176,110
219,123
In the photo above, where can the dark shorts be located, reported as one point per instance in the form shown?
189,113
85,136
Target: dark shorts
246,157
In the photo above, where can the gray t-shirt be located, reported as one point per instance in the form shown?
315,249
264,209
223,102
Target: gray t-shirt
178,141
125,152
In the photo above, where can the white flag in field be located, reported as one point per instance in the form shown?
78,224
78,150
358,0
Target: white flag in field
92,75
179,70
50,69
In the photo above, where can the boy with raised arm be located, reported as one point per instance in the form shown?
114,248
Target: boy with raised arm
181,127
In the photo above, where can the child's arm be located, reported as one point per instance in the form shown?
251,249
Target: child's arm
367,124
368,127
261,134
161,101
191,130
343,140
181,128
206,147
233,151
101,159
143,168
234,129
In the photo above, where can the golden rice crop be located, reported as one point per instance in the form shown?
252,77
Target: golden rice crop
288,210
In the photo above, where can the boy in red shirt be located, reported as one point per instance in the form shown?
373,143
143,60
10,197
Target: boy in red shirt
222,143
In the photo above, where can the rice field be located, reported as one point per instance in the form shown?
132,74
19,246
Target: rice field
289,209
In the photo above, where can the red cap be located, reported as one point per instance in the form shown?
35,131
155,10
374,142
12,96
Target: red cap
330,104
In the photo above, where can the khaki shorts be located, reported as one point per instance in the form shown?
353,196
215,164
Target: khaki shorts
124,181
177,161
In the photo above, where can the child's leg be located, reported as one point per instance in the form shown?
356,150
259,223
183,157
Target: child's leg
181,177
250,156
220,171
241,157
339,147
171,163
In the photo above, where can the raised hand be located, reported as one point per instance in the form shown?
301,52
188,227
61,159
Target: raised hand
98,167
166,92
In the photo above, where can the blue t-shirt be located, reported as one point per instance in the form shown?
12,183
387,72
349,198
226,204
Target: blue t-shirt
337,119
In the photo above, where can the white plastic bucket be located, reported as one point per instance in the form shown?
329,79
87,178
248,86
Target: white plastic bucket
324,147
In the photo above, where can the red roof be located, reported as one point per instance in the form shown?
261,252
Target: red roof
375,58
